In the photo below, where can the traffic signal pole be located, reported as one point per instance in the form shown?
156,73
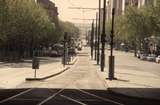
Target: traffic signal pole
103,36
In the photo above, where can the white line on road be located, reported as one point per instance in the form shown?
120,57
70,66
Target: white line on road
104,99
21,93
49,98
71,99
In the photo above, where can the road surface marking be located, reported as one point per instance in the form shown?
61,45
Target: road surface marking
49,98
21,93
71,99
104,99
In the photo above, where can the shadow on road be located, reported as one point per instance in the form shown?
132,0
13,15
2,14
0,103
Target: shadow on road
72,97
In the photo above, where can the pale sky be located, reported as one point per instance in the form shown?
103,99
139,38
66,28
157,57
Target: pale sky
67,14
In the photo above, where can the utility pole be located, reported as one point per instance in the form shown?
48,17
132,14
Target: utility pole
111,57
96,37
103,38
99,33
65,48
92,39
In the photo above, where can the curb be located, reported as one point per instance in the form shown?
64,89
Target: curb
47,77
73,62
110,90
130,96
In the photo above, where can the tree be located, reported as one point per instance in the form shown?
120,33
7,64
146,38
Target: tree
133,27
25,26
71,29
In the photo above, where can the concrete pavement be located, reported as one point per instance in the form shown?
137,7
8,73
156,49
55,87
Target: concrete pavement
133,81
14,74
81,75
83,84
50,72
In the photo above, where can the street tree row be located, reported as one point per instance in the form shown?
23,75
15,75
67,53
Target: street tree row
138,27
25,26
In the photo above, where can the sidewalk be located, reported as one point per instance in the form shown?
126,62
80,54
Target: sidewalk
133,83
50,70
11,75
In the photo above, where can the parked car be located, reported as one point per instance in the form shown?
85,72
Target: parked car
139,53
72,51
158,59
143,56
58,48
151,57
79,48
53,53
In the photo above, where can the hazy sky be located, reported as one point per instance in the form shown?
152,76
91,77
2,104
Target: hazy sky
67,14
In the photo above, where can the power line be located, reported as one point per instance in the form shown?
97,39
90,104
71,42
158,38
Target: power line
83,8
71,3
83,19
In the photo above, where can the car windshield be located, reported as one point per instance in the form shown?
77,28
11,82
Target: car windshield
79,52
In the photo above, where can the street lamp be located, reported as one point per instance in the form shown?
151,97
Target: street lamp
111,57
103,36
92,38
96,37
99,33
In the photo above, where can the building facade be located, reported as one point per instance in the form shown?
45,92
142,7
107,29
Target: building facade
121,5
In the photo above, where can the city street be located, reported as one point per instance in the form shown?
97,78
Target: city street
83,84
82,75
79,52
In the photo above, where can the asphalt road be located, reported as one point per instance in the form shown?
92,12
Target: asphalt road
45,96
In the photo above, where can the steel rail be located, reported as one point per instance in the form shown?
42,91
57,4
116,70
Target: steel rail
21,93
71,99
101,98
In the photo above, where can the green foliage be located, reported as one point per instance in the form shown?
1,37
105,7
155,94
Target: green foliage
25,26
137,24
71,29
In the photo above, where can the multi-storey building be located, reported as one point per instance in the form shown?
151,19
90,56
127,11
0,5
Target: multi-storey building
121,5
146,2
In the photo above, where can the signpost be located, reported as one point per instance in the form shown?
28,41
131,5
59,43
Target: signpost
35,65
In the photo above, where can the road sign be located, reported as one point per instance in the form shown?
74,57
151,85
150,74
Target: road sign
35,63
